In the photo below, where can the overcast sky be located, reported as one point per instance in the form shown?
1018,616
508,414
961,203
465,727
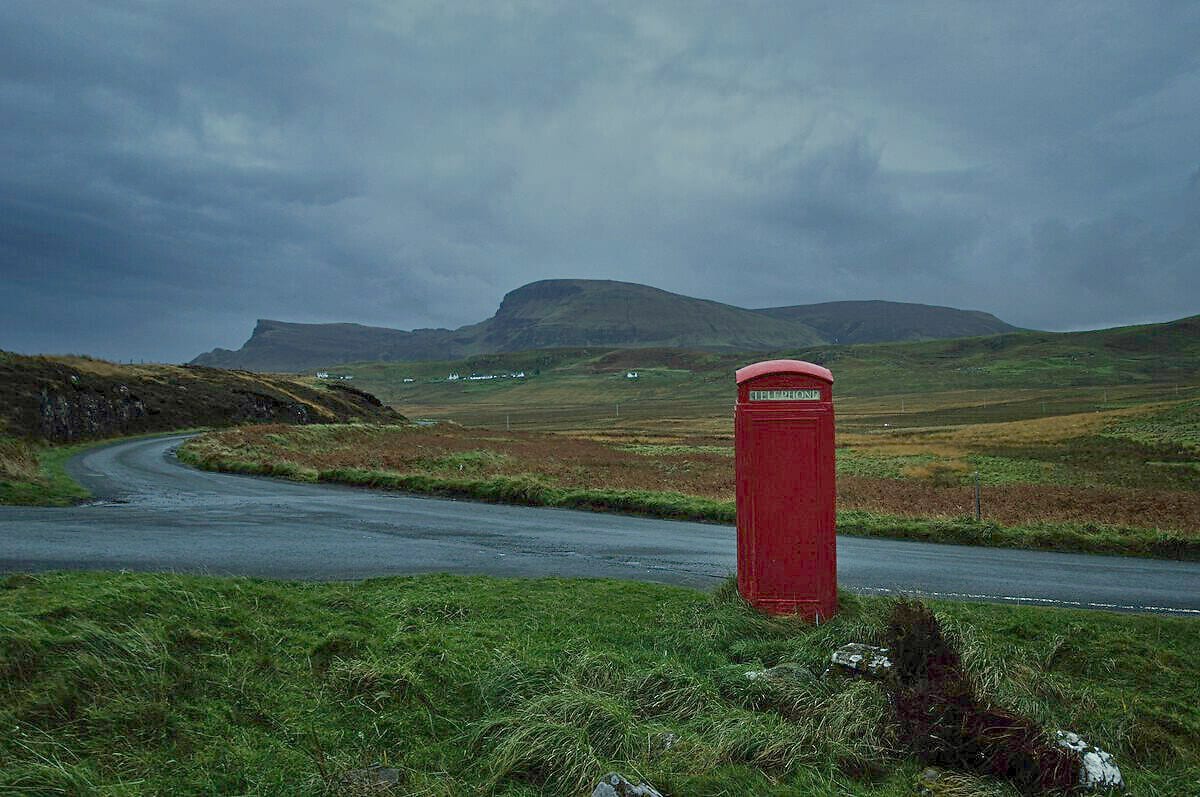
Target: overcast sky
169,172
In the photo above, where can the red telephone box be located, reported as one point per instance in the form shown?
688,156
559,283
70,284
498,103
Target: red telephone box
783,439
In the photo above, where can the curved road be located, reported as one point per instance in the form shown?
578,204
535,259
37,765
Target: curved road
156,514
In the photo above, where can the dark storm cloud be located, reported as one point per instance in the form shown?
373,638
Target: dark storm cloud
174,171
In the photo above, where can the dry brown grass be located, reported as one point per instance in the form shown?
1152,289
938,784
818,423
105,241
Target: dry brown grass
102,367
939,474
18,461
1024,503
957,441
598,463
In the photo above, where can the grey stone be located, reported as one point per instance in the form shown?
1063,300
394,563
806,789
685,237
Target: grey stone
928,781
374,779
1097,771
865,660
615,785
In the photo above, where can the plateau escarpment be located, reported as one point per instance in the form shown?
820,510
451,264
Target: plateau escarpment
602,313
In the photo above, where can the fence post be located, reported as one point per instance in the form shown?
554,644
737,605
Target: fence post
978,512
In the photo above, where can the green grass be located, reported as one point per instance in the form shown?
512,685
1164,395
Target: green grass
43,481
993,470
655,450
1046,536
532,490
1068,372
854,462
1111,459
124,684
1176,427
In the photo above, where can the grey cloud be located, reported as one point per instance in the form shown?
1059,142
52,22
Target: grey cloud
174,171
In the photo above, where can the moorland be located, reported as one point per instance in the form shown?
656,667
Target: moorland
120,683
1079,441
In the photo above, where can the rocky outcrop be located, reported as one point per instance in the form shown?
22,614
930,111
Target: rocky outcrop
78,415
69,399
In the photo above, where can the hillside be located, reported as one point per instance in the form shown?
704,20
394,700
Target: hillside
63,399
557,313
1028,374
284,346
599,313
878,321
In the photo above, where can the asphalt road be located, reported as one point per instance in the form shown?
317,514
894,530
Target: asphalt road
157,514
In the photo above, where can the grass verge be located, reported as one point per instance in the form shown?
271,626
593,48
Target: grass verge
137,684
533,491
35,474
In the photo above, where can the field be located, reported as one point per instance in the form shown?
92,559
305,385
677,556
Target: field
1079,441
126,684
1118,480
1004,377
132,684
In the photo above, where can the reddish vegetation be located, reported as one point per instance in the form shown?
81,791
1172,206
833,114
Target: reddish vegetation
943,721
1023,503
576,462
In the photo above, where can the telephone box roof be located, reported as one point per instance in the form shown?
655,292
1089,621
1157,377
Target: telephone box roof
783,367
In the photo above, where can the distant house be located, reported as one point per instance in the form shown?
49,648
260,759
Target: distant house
322,374
631,375
408,379
452,378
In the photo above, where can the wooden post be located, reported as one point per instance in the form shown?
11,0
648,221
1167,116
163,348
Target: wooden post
978,508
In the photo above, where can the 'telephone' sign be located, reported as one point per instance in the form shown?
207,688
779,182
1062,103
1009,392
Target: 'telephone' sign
808,394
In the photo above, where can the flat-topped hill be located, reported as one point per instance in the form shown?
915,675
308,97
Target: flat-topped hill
602,313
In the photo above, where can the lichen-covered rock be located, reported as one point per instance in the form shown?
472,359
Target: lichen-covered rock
1097,771
615,785
865,660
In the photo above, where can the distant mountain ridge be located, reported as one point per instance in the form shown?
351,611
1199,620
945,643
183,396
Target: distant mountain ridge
561,313
877,321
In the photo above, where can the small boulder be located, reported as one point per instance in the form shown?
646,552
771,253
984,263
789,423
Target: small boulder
1097,771
615,785
374,779
865,660
929,781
